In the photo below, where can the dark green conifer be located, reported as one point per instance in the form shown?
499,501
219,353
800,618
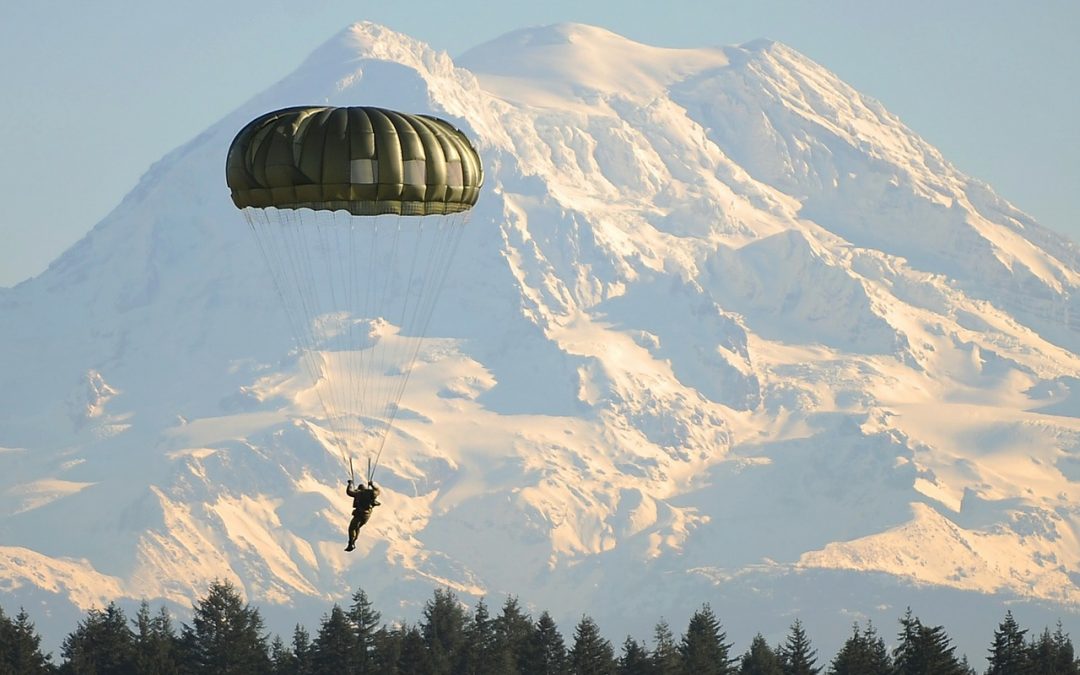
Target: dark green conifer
335,648
388,648
226,635
1052,654
591,654
443,630
102,643
547,650
20,646
302,651
1009,651
414,657
282,660
479,642
863,653
634,659
702,649
796,655
155,642
365,619
760,659
513,634
665,655
922,650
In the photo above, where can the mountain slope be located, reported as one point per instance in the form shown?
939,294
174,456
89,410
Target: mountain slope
719,323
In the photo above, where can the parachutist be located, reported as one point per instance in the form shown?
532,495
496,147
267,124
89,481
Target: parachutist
365,498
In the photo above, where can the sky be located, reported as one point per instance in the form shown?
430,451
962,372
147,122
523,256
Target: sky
95,92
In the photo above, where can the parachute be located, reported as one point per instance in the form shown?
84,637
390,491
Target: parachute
357,212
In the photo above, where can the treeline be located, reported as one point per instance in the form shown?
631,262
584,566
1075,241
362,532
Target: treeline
227,635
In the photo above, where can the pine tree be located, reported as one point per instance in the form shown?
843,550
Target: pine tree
863,653
388,649
226,635
1008,652
546,653
924,650
634,659
443,630
760,659
591,653
20,646
702,648
101,643
335,648
479,642
1052,654
414,657
366,620
282,660
513,633
302,651
665,656
965,667
1066,662
796,656
155,642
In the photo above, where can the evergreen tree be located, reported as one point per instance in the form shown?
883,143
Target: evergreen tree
547,650
1052,654
101,643
302,651
1041,653
760,659
335,648
20,646
1008,651
155,642
226,635
924,650
634,659
591,653
1066,662
965,667
796,656
513,633
665,656
366,620
863,653
282,660
443,630
414,657
479,642
702,648
388,648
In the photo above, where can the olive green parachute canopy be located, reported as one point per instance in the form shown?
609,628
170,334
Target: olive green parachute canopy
367,161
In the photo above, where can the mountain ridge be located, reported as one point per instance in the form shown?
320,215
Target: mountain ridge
676,320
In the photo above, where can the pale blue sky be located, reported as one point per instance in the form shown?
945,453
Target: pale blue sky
94,92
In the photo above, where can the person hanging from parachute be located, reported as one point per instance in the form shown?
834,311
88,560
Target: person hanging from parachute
365,499
357,213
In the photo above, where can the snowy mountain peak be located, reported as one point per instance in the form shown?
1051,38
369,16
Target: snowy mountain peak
568,60
716,318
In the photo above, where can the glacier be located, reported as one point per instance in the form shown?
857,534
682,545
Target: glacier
720,329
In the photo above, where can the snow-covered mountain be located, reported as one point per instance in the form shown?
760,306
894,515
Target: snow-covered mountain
720,329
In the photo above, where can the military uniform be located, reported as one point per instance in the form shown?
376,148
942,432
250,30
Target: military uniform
364,500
